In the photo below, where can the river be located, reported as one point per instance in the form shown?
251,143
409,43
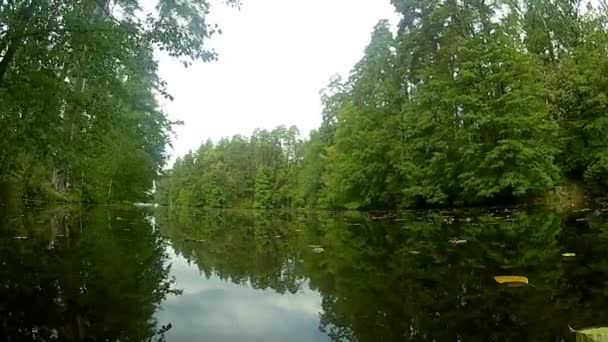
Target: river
129,274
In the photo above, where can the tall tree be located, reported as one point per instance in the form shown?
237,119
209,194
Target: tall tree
363,172
75,75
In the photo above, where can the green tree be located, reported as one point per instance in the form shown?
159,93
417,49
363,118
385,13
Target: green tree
469,103
263,190
77,75
363,174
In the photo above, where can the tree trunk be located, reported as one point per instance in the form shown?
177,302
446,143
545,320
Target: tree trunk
73,114
109,191
59,227
8,58
59,180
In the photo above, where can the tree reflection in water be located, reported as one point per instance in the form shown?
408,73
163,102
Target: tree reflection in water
80,275
68,274
400,278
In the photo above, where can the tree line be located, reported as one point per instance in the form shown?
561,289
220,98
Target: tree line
468,102
247,172
79,118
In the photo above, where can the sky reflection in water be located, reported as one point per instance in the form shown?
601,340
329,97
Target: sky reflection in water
211,309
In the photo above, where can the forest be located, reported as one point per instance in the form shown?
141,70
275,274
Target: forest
468,102
79,117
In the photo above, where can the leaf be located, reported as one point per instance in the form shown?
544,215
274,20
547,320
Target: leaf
592,334
512,281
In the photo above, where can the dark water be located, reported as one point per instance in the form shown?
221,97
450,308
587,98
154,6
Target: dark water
137,275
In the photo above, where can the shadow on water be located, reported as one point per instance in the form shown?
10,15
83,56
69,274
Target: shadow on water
68,275
413,277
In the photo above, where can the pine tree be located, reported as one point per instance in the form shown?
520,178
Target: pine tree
363,173
263,190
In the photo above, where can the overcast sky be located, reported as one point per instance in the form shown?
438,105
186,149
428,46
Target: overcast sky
274,58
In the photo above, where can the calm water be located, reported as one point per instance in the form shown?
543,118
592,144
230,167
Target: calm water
139,275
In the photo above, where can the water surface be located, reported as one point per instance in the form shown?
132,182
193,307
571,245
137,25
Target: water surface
129,274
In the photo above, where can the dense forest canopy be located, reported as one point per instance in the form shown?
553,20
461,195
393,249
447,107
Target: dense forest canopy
79,119
259,171
469,102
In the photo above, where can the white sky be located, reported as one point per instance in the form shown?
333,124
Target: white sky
274,58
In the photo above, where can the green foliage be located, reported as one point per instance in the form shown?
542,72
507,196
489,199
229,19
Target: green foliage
468,103
78,115
363,171
580,100
263,190
256,172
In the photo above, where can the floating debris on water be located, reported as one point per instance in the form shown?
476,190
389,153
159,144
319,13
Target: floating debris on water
318,249
568,254
193,240
458,241
581,219
414,252
599,334
512,281
21,237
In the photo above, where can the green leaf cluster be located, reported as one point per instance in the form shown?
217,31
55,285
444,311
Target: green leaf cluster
79,118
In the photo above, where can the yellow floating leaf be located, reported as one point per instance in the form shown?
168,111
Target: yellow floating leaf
569,254
592,334
513,281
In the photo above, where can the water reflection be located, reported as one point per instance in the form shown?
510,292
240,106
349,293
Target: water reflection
72,275
388,278
212,309
106,275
